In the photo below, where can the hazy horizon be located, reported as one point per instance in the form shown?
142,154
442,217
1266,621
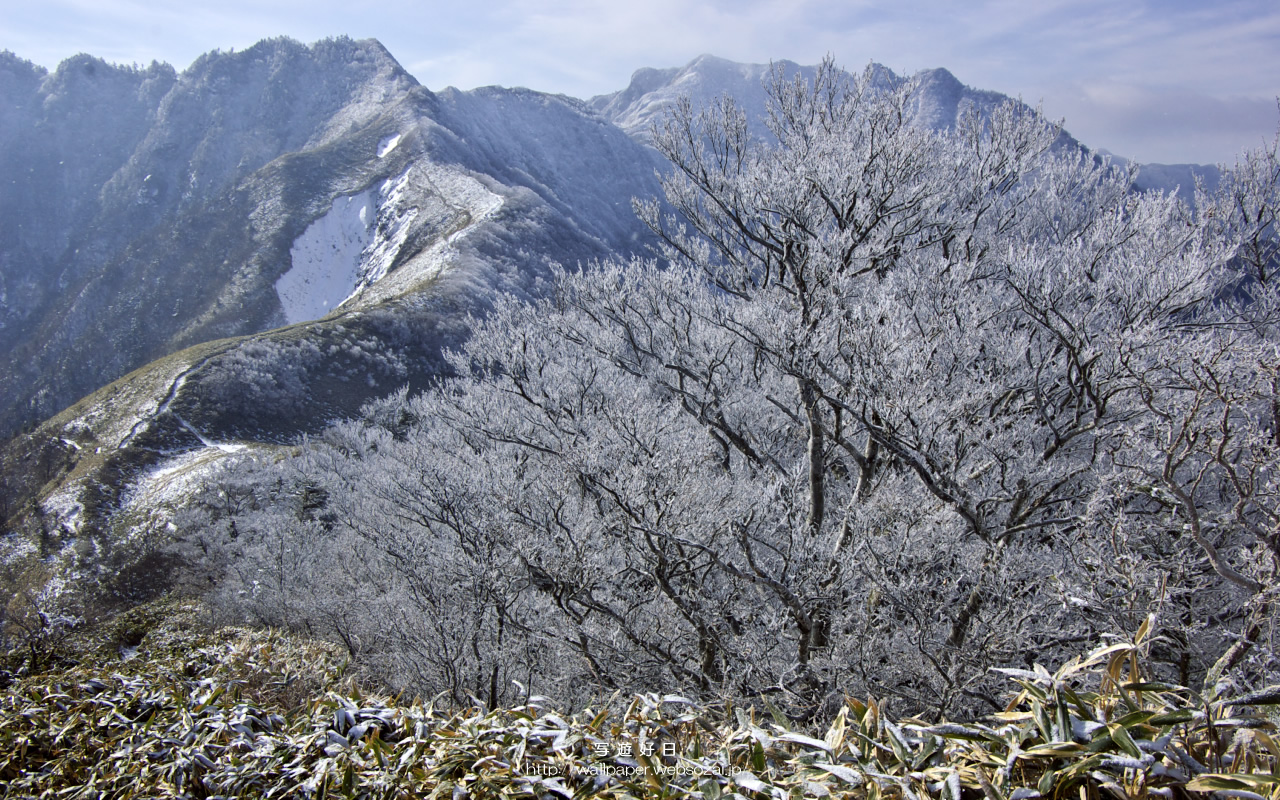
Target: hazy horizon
1169,82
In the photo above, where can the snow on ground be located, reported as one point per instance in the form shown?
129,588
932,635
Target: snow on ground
452,194
351,247
346,253
326,259
13,548
461,190
387,145
115,416
226,448
394,220
63,506
151,500
142,420
172,480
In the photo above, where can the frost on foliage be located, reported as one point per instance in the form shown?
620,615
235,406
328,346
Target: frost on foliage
893,407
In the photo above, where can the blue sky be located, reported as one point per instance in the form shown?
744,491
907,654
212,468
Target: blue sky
1171,81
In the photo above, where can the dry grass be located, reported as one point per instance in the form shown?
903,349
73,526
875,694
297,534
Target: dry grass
251,713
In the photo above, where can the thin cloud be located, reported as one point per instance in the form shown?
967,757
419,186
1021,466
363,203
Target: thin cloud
1165,124
1200,77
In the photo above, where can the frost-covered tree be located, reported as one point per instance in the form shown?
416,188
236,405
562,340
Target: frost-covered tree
890,408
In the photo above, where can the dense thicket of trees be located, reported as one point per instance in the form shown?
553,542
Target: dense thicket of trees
890,408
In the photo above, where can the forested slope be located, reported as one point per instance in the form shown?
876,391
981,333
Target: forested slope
894,408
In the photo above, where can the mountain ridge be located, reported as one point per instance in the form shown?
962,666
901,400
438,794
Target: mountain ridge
143,169
270,135
206,250
940,99
173,246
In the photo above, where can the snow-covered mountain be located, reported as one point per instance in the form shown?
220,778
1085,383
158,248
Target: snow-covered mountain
938,101
268,240
148,211
939,97
262,243
1168,177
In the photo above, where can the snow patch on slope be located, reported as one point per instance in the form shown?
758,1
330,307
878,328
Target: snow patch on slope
394,221
63,507
387,145
326,260
450,200
153,499
356,244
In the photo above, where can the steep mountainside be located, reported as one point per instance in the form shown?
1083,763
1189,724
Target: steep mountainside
160,238
274,237
151,211
270,239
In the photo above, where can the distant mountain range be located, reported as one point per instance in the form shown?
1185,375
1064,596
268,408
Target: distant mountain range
260,244
939,100
939,97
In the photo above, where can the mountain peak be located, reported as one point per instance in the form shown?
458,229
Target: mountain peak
92,73
365,57
938,97
939,76
709,61
18,77
10,61
652,92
